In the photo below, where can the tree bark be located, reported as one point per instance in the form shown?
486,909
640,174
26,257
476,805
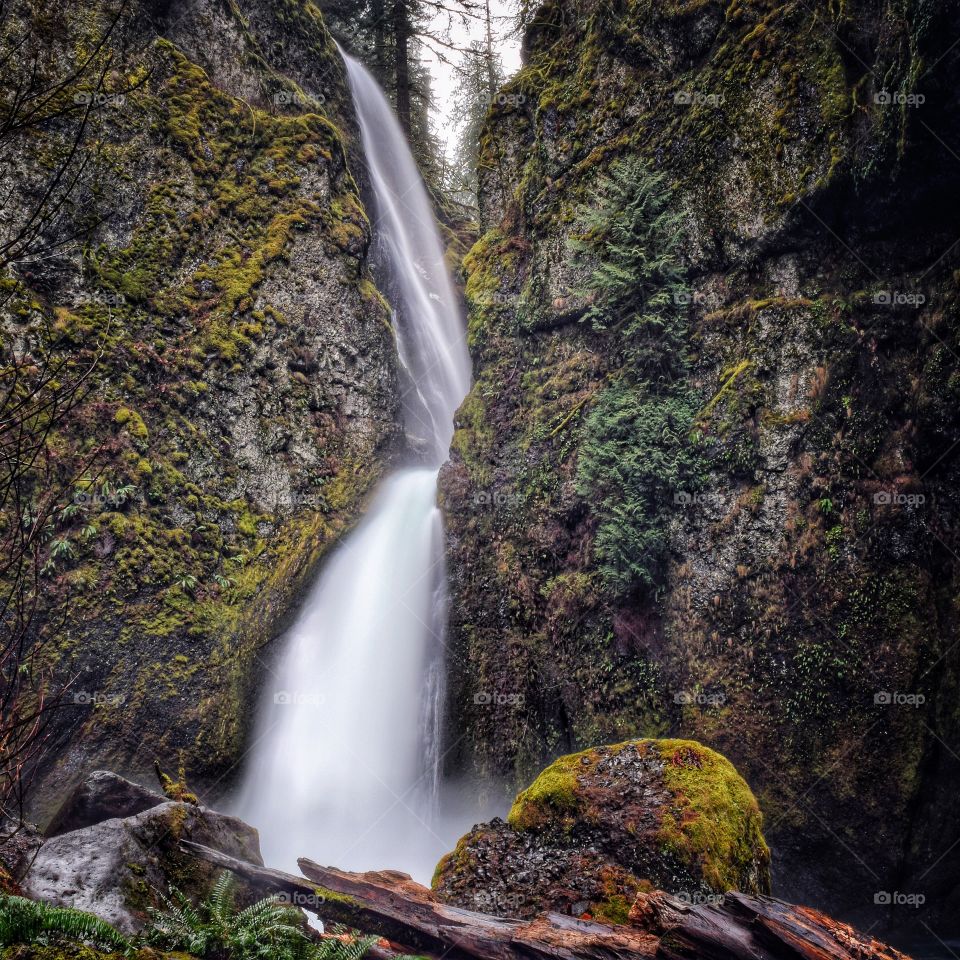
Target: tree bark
737,927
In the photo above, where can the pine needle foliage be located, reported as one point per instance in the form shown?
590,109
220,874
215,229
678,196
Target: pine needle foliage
637,288
31,921
638,448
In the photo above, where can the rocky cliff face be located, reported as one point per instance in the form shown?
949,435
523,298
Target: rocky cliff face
800,615
243,393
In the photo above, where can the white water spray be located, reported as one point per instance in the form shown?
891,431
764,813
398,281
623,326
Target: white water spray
345,763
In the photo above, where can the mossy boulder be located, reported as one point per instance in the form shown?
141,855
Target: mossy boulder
597,827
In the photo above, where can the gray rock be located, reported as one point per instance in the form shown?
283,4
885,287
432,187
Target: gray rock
116,868
102,796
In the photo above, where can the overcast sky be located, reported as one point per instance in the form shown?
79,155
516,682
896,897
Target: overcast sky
444,75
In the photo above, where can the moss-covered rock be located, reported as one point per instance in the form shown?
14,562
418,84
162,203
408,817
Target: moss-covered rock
598,826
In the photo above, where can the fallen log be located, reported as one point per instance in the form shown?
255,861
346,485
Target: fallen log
662,927
395,907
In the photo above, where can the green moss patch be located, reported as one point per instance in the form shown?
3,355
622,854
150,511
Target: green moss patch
717,822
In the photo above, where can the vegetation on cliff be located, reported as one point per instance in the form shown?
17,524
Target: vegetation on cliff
637,445
215,265
773,601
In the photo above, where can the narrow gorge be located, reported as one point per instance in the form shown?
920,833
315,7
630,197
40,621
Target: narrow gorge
347,753
538,478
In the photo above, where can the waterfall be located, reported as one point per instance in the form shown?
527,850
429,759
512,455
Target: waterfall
344,766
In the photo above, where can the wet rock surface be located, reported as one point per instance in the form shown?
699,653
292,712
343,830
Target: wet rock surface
114,868
101,796
811,566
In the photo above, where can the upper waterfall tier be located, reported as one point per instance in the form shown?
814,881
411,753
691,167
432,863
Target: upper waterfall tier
429,321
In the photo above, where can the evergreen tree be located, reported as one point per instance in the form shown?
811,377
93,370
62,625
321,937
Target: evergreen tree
481,76
387,36
638,452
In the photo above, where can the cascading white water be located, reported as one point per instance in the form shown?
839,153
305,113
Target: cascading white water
344,767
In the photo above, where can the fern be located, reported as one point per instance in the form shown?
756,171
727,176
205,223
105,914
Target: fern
266,930
222,899
30,921
338,948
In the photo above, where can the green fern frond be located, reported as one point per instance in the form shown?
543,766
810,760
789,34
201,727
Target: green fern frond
334,948
266,930
26,921
221,898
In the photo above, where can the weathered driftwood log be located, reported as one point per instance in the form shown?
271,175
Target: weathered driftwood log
737,927
392,905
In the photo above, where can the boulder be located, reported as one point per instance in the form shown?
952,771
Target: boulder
597,828
102,796
116,867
